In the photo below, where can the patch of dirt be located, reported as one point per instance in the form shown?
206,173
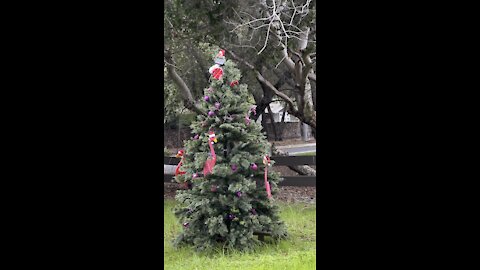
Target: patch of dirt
169,190
297,194
286,194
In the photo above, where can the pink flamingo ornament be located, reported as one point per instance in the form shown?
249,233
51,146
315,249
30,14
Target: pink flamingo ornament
177,170
216,70
210,163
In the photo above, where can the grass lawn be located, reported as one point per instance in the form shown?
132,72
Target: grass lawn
296,252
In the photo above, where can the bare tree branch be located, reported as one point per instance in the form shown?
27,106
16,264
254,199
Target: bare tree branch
266,39
261,79
185,92
250,22
170,64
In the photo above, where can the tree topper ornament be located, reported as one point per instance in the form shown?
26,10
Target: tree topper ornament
216,70
220,58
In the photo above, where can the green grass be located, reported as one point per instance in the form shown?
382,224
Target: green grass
296,252
306,154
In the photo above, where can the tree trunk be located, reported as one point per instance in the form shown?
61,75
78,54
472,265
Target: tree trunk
304,132
314,94
282,128
309,117
193,82
264,123
272,120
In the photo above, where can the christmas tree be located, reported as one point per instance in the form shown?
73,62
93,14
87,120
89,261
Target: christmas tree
226,171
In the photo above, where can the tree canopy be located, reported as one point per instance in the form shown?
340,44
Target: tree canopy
273,41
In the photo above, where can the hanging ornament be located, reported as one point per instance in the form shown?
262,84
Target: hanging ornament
253,166
231,216
234,167
233,83
211,113
186,224
238,194
217,105
254,110
196,137
206,98
220,58
267,163
247,120
195,175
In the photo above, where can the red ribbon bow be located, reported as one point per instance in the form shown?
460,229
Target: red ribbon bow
233,83
217,73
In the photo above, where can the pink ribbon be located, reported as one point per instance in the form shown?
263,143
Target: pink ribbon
266,161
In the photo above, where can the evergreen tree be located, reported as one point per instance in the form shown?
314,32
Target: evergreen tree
227,205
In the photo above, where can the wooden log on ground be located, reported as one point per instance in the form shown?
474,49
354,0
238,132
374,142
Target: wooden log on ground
301,169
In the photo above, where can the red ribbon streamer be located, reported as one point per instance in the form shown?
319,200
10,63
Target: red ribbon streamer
266,161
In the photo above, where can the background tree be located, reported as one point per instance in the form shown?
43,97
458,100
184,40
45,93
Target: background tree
275,40
289,30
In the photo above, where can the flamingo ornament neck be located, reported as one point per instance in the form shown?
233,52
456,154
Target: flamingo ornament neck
211,140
